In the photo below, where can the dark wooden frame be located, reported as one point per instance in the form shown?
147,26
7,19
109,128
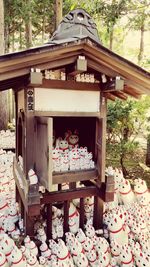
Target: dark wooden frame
98,186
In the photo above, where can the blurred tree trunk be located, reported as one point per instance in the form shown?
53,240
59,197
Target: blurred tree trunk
43,29
28,33
28,27
2,45
58,12
141,51
3,95
3,110
111,38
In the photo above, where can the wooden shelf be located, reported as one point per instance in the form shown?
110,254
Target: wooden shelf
65,114
74,176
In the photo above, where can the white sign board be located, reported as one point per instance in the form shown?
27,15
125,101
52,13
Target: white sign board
66,100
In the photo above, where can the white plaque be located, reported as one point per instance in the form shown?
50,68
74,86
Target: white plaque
66,100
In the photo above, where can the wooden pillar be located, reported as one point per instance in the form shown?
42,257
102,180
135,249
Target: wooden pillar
29,224
66,216
29,131
82,213
98,213
16,118
103,112
49,221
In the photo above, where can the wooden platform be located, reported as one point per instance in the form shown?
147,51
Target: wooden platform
30,201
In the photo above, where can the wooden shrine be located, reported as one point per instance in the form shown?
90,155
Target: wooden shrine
62,85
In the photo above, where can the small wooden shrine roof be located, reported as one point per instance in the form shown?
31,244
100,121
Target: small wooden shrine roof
62,52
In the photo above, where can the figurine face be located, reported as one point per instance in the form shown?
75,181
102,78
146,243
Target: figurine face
63,144
124,186
73,139
140,186
55,153
88,244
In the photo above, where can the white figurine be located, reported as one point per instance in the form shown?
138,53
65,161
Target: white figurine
17,258
32,177
41,235
82,261
6,246
32,261
117,231
63,145
45,251
126,193
92,258
56,159
63,253
76,250
3,260
126,257
141,189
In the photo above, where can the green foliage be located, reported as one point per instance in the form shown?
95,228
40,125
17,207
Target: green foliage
114,18
17,13
125,120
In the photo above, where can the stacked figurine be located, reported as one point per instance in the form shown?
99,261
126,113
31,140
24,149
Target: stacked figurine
67,155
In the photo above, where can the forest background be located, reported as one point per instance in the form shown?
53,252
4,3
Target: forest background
123,27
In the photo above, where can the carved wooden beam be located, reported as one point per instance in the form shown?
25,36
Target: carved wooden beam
116,84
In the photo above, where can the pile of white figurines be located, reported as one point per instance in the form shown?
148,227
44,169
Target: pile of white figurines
67,155
7,183
124,240
7,139
52,75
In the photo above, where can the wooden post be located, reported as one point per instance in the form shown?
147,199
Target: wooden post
66,216
29,224
82,213
110,187
98,212
29,132
49,221
103,112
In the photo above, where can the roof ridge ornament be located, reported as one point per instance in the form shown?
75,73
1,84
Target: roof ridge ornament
77,24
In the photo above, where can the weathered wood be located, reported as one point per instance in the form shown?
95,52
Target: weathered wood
98,213
33,59
22,193
61,196
65,114
121,95
29,225
107,189
30,140
66,216
49,220
74,176
101,139
82,215
116,64
30,197
43,155
69,85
